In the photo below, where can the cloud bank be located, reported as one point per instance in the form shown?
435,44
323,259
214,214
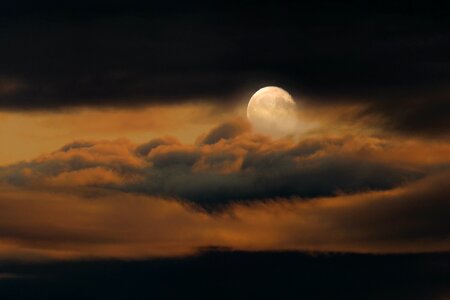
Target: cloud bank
233,189
99,223
228,164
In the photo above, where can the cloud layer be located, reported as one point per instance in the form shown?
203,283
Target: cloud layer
232,188
227,164
75,223
395,63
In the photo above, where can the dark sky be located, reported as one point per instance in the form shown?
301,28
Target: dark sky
393,57
236,275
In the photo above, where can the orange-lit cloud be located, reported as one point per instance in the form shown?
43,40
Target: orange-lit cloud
231,188
36,224
25,134
231,164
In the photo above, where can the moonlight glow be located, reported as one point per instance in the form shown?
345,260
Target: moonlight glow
272,110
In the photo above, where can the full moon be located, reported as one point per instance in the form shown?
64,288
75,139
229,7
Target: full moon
271,110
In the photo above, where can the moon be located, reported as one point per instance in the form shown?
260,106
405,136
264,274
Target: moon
271,110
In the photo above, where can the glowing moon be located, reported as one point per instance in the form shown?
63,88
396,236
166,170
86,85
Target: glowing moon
272,110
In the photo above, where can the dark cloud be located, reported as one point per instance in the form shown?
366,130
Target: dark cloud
229,164
76,145
423,208
70,223
234,189
225,131
422,115
145,149
112,54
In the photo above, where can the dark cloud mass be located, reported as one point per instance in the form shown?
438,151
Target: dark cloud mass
229,164
231,188
392,57
225,131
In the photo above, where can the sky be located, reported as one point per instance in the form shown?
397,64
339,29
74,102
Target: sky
124,136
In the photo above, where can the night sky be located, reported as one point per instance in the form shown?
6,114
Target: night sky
129,170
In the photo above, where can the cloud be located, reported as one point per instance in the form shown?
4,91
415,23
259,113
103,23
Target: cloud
231,164
232,188
331,56
145,149
86,177
90,222
226,131
52,129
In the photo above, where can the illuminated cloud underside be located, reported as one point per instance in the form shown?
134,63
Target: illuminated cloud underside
98,223
232,188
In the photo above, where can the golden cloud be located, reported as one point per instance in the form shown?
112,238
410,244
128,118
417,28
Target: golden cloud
37,224
232,188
